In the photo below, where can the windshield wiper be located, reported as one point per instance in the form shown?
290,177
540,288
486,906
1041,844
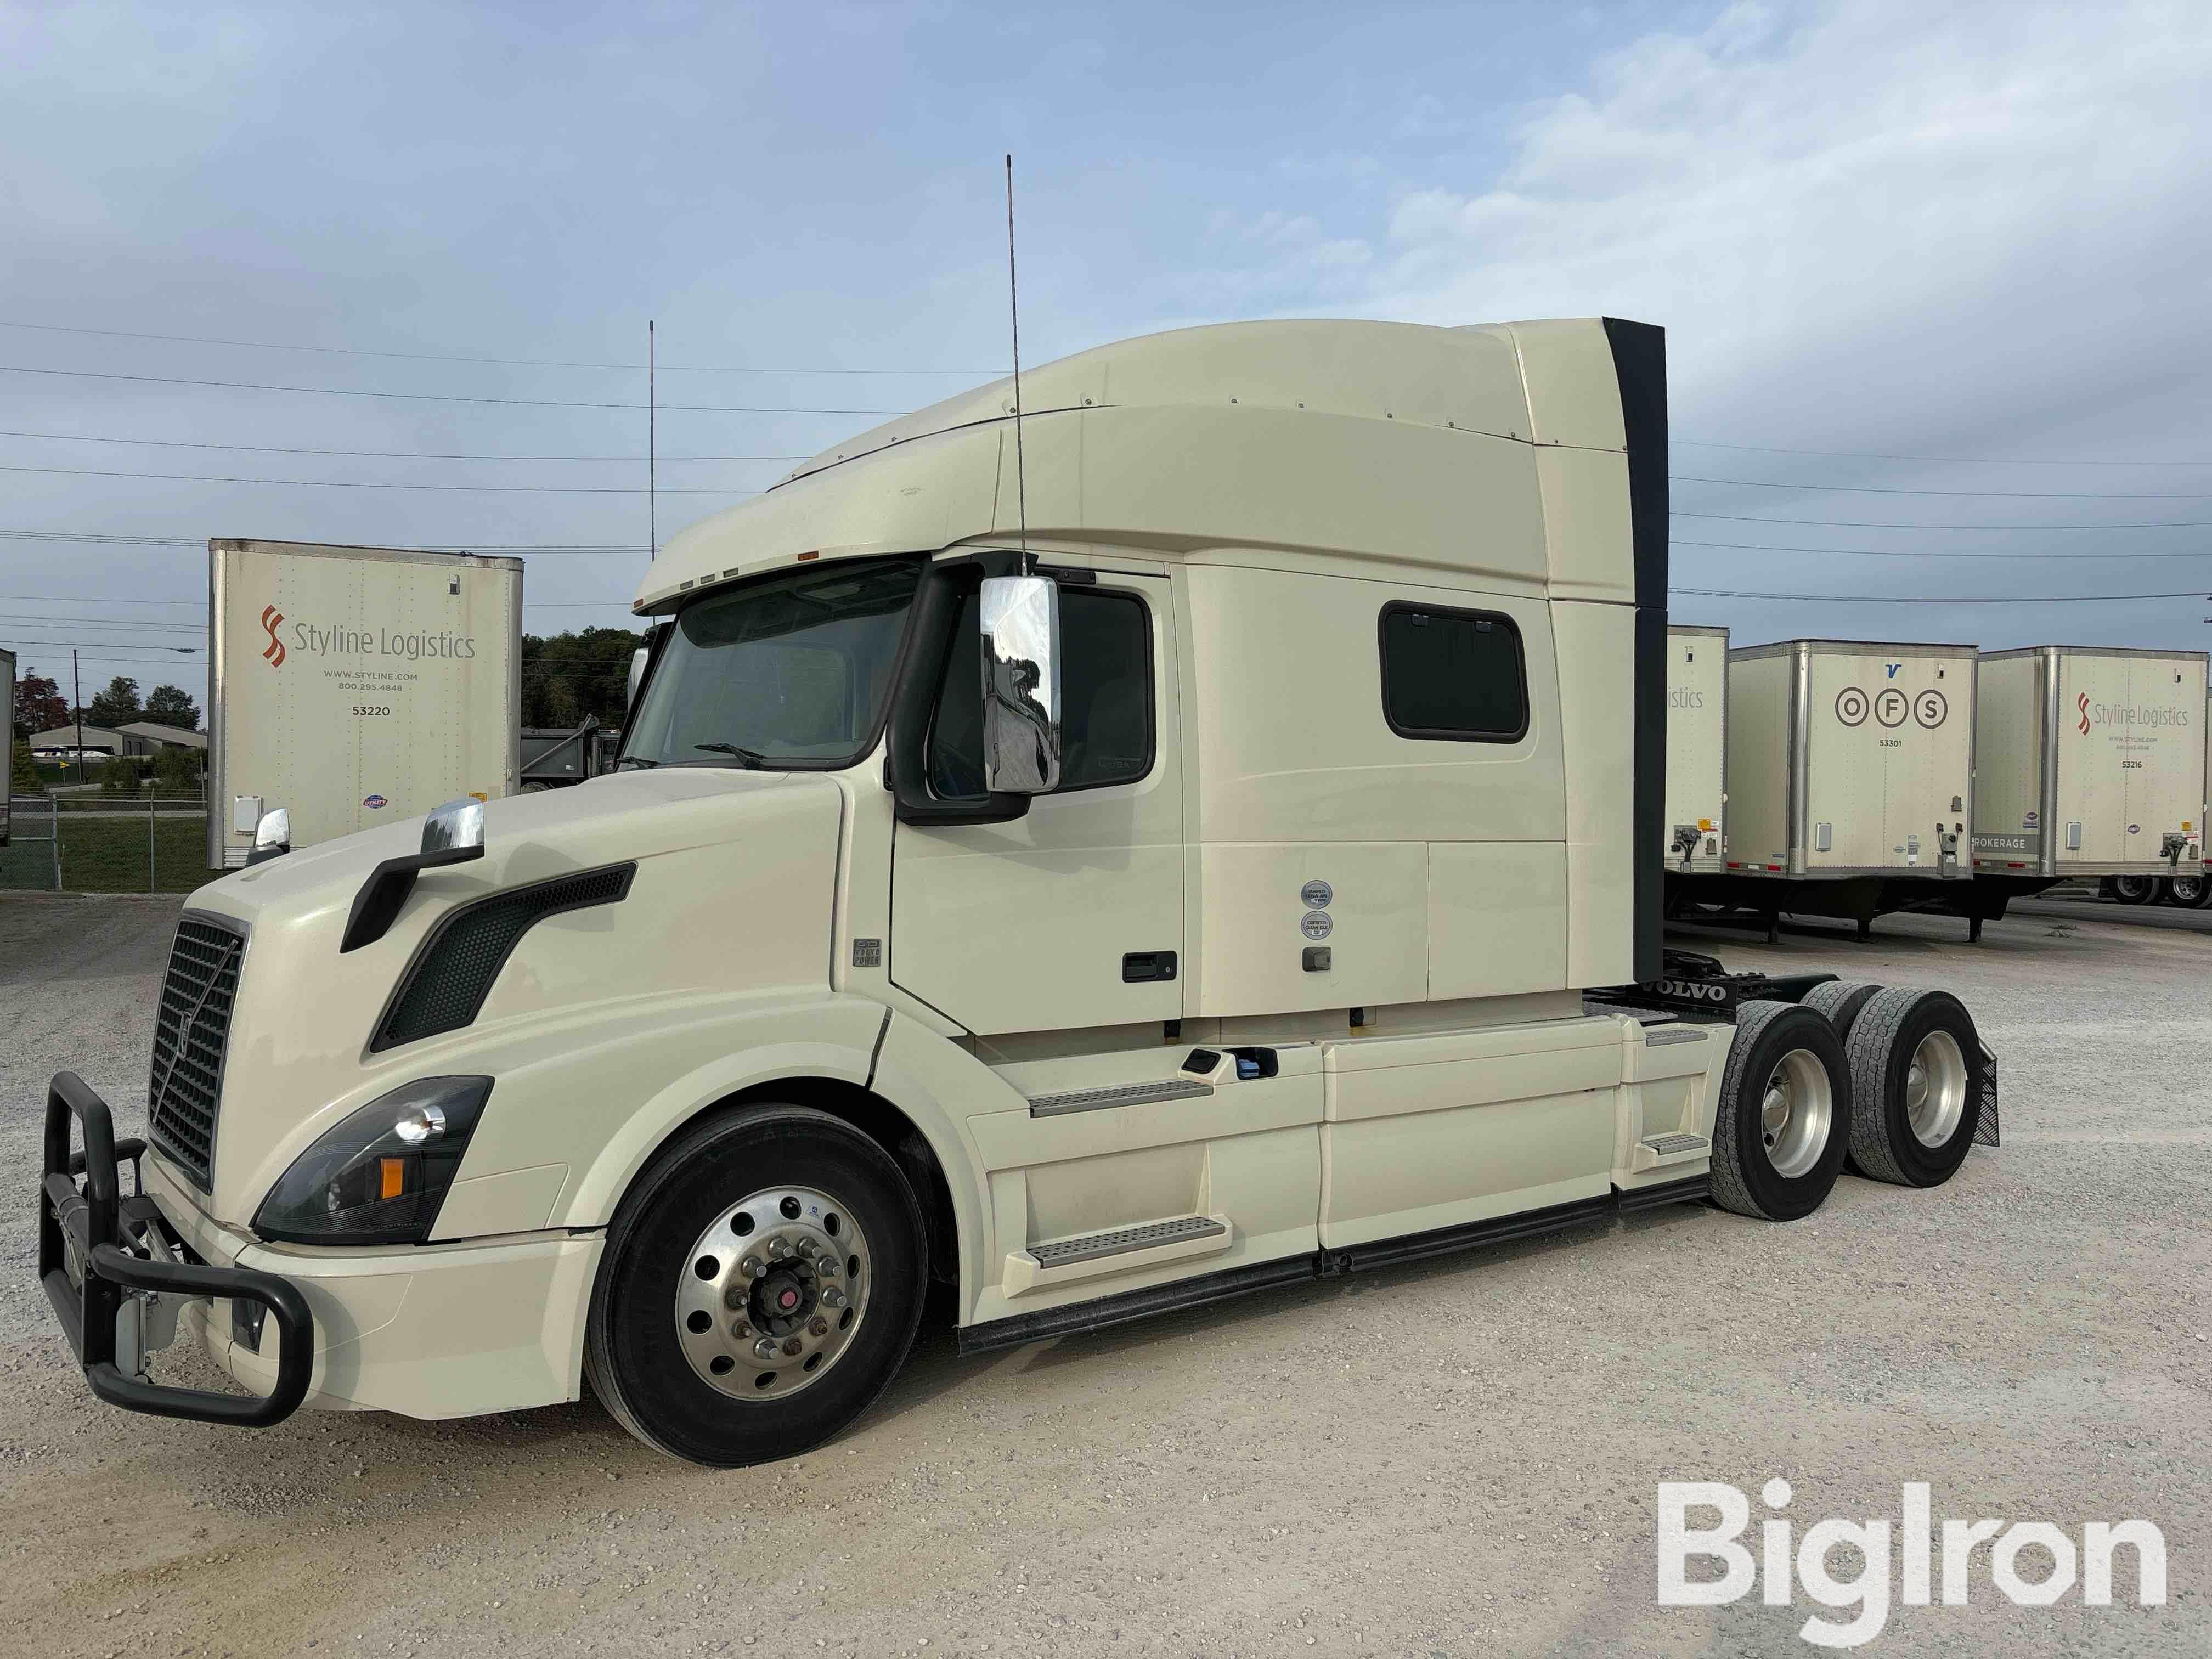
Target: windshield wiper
746,757
633,760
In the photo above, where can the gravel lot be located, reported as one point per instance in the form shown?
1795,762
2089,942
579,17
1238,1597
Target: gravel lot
1453,1458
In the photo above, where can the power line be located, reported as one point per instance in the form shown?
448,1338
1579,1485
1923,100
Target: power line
1942,460
97,622
351,483
376,455
1941,553
450,357
201,605
429,397
1874,524
2008,495
1899,599
201,541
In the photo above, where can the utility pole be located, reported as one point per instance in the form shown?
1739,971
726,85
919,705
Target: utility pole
76,702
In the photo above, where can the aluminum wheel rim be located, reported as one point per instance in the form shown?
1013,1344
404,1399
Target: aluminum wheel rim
1936,1088
2188,888
772,1293
1796,1110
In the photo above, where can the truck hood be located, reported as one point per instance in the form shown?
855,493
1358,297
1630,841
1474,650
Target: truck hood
732,889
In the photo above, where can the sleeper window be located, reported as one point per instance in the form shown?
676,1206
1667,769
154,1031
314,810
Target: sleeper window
1453,674
1105,688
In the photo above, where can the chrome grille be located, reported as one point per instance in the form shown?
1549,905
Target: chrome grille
191,1033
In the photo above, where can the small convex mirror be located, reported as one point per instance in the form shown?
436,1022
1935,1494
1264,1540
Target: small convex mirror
272,836
1021,685
456,823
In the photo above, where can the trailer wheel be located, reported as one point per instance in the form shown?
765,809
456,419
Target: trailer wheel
2188,892
2134,889
1917,1075
760,1287
1784,1115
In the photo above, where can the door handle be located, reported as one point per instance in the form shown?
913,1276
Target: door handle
1142,967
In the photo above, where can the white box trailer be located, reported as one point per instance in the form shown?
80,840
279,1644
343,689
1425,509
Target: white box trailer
354,686
1696,748
7,783
2091,762
1850,779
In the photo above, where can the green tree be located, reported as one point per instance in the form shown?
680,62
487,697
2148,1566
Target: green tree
172,705
177,771
118,705
23,772
566,676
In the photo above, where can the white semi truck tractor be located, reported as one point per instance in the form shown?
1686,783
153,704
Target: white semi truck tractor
1191,862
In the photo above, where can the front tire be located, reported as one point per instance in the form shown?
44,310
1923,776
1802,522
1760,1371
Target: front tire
759,1288
1784,1115
1917,1075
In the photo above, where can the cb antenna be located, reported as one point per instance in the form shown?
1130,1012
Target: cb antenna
1014,311
652,452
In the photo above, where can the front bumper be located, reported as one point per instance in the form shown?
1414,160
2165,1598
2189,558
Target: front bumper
429,1331
111,1267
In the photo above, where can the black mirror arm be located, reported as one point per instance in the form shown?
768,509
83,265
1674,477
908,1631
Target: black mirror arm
937,615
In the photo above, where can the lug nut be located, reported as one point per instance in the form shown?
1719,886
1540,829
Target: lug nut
734,1297
750,1267
765,1348
739,1330
827,1266
820,1325
778,1248
790,1346
807,1246
833,1297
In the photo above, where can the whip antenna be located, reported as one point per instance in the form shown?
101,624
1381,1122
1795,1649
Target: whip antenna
1014,312
652,453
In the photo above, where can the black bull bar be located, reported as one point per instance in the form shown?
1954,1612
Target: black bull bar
87,1263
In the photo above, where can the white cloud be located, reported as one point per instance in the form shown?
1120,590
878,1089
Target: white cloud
1911,202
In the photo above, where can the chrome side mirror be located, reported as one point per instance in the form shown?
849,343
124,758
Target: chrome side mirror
458,823
272,836
1021,685
637,661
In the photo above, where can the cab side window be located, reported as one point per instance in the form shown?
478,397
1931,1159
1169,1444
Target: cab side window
1106,696
1457,675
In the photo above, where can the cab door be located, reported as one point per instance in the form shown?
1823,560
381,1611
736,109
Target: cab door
1072,914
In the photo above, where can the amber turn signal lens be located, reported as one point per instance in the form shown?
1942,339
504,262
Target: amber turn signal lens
393,1174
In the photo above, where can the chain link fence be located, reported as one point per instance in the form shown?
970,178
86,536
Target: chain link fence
102,843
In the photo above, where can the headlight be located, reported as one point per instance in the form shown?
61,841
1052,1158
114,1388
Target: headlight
379,1175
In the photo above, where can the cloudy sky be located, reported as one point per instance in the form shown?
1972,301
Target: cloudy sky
1936,277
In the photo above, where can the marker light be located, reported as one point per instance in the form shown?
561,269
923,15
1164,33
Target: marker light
379,1175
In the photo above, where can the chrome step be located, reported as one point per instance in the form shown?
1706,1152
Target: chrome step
1668,1146
1122,1094
1088,1247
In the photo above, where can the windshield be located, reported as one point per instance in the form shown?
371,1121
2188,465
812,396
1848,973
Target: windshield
788,672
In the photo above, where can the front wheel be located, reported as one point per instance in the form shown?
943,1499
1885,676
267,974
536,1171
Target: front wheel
1784,1118
759,1288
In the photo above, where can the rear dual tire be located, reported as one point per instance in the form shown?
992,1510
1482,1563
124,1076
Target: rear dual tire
2188,892
1784,1118
1917,1075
